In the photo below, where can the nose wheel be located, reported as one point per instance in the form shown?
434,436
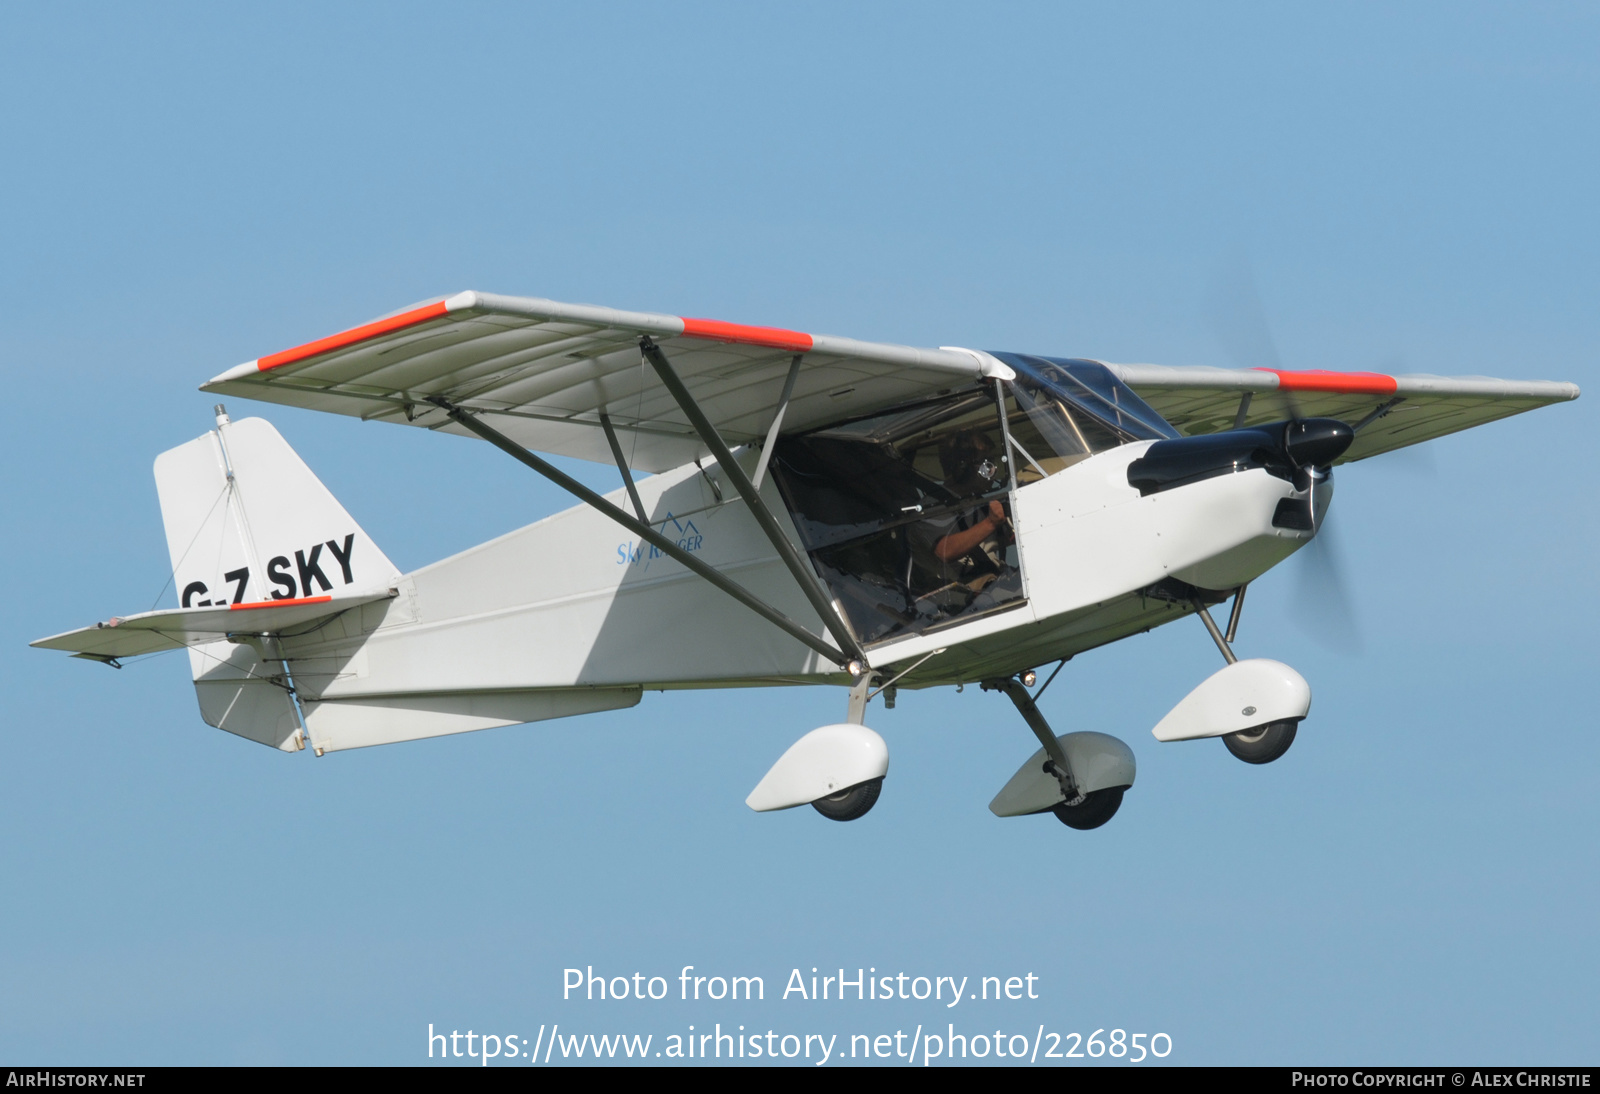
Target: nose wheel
1263,744
850,804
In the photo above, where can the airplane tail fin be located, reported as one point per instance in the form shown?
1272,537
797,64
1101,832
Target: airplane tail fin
248,522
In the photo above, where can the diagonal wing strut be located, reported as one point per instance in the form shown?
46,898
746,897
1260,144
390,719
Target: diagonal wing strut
791,558
471,421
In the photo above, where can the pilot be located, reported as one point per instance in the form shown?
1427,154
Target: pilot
973,550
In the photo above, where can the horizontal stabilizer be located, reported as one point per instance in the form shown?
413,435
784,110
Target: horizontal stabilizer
173,628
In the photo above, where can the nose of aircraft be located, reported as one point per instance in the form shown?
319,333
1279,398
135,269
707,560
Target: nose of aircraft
1316,442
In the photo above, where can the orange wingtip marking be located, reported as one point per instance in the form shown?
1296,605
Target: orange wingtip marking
289,603
1338,383
353,335
716,330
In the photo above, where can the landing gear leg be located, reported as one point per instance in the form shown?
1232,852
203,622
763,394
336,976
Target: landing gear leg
1057,764
1261,744
1224,644
1078,810
1233,616
854,802
860,693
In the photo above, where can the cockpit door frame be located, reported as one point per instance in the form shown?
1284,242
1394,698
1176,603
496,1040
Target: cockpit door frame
1009,449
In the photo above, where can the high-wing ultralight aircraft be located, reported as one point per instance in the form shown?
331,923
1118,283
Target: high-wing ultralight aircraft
817,510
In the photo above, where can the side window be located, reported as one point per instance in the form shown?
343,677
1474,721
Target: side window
1052,430
1045,437
906,514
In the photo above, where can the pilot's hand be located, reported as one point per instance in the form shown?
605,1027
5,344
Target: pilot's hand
997,514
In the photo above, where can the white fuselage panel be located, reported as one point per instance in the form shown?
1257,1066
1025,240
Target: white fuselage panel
576,601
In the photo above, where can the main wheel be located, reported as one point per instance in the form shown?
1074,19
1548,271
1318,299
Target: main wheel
1263,744
1095,809
851,803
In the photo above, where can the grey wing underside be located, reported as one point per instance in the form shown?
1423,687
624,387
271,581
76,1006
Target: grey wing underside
545,372
1392,412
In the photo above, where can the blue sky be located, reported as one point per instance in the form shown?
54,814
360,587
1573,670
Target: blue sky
1412,186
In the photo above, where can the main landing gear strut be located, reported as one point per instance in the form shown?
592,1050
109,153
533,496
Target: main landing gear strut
1078,808
854,802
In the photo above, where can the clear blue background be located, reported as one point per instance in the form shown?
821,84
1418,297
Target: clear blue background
1413,187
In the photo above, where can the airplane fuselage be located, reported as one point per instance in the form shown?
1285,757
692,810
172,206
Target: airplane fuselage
574,603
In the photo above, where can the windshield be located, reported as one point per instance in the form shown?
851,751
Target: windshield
1088,386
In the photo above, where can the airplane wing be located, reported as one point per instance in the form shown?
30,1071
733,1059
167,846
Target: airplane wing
543,372
1391,411
173,628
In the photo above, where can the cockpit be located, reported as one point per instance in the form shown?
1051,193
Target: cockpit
906,513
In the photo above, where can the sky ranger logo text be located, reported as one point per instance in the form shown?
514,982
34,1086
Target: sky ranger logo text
640,554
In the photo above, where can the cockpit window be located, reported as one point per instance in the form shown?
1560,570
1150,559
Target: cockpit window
850,479
906,514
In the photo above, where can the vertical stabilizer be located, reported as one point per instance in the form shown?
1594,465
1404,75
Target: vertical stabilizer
246,522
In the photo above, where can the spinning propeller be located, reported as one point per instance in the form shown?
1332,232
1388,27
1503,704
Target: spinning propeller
1324,606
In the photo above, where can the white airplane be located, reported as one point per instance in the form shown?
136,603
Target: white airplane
820,510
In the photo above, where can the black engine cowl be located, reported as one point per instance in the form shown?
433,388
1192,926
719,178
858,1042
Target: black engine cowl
1285,449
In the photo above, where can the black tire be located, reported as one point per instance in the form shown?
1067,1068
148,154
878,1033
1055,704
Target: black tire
1262,744
1099,807
850,804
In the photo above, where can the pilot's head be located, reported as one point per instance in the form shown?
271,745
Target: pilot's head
969,461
